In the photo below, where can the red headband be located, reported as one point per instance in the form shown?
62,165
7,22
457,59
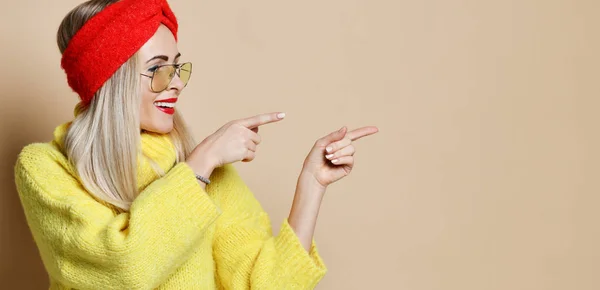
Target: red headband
109,39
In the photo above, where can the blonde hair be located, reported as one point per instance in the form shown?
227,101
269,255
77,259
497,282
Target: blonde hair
103,141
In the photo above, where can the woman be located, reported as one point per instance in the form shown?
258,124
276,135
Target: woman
123,197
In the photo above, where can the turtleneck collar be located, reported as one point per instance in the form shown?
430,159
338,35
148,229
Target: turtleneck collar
157,147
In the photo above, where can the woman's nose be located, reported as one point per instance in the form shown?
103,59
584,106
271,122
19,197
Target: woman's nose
176,83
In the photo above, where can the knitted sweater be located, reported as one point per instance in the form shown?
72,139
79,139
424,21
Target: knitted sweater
176,235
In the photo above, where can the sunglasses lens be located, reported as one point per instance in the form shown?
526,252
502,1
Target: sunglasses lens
162,78
185,72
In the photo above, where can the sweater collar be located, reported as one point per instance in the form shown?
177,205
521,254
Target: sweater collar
157,147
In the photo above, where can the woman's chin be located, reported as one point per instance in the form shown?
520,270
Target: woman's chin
163,128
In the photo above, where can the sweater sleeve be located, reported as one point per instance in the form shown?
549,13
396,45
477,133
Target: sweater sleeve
83,244
246,253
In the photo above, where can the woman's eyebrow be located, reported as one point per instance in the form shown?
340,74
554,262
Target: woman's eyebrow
163,57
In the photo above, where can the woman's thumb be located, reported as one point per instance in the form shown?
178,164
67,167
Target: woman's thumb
326,140
337,135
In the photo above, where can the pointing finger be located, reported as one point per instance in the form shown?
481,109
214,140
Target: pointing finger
362,132
260,120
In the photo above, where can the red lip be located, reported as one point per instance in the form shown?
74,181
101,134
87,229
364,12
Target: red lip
169,111
171,100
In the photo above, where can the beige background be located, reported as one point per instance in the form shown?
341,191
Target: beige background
485,172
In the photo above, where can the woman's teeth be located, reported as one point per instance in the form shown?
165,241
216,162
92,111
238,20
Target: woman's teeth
167,105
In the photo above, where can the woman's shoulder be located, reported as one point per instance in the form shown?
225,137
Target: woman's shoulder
40,156
42,174
42,162
37,156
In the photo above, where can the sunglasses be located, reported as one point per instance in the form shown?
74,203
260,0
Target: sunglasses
162,75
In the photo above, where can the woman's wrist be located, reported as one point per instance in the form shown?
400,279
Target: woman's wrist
201,163
201,168
307,183
305,208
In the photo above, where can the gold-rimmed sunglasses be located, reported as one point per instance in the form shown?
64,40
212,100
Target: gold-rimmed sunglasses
163,74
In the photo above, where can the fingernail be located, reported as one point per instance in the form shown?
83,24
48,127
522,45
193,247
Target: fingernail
328,149
334,161
329,156
341,129
281,115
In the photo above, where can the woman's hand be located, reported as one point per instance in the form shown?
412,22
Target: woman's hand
235,141
329,166
318,172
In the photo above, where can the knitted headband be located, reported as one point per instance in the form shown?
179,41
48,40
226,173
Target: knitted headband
109,39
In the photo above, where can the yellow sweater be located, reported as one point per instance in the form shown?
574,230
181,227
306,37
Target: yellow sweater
175,236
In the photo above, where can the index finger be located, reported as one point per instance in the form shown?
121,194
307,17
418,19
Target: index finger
362,132
261,119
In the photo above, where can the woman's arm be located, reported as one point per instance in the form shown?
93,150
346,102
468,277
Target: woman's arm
330,160
305,209
84,245
247,254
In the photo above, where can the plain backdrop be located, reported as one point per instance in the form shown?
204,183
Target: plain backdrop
484,174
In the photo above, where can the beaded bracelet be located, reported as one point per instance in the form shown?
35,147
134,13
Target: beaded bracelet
203,179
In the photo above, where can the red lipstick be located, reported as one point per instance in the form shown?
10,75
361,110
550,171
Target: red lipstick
166,110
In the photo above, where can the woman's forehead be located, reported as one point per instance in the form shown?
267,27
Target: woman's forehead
161,43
